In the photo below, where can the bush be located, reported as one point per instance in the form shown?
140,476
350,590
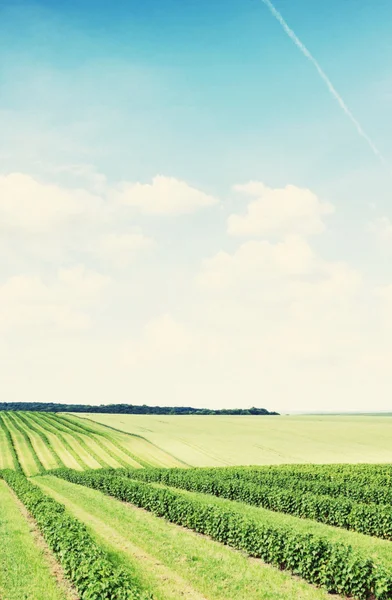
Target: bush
83,561
335,567
369,519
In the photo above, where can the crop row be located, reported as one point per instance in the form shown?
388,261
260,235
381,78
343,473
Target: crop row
83,561
335,567
358,487
369,519
18,425
15,459
364,483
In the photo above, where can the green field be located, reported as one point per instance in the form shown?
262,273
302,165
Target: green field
233,440
105,506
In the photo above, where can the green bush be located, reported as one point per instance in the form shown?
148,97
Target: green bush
369,519
335,567
83,561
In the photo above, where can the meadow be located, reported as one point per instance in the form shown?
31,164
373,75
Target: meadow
110,508
247,440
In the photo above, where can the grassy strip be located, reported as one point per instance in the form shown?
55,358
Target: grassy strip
88,430
54,422
178,462
334,567
20,557
15,421
83,561
30,423
61,448
369,519
6,448
15,458
22,447
41,422
172,561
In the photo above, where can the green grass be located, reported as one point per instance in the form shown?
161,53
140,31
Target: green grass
28,438
243,440
25,455
172,562
43,446
24,569
137,446
6,460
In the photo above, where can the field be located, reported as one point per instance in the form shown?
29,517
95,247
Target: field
91,512
219,440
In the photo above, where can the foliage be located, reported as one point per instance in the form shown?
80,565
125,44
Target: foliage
335,567
83,561
272,494
130,409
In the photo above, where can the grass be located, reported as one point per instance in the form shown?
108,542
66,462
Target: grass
44,446
24,569
22,447
136,445
172,562
243,440
6,460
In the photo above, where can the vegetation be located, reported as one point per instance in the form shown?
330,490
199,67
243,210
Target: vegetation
335,567
36,442
225,440
287,495
173,562
25,570
131,409
83,561
330,525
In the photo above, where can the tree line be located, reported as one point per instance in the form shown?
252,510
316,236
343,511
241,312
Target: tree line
131,409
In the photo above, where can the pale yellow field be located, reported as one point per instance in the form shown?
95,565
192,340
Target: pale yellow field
241,440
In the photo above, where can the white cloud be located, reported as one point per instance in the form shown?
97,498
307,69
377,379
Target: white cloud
164,196
120,249
381,228
36,207
290,210
254,261
27,302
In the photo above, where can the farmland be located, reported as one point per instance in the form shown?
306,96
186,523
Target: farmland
225,440
109,508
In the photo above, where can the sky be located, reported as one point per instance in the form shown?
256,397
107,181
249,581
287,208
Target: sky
195,203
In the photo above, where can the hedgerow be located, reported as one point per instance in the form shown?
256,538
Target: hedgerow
335,567
83,561
370,519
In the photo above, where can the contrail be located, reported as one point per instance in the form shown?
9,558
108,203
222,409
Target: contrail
325,78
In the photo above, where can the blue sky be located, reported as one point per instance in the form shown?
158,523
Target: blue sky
97,97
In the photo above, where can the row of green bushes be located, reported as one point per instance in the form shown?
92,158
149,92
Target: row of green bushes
335,567
358,487
83,561
369,519
364,483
